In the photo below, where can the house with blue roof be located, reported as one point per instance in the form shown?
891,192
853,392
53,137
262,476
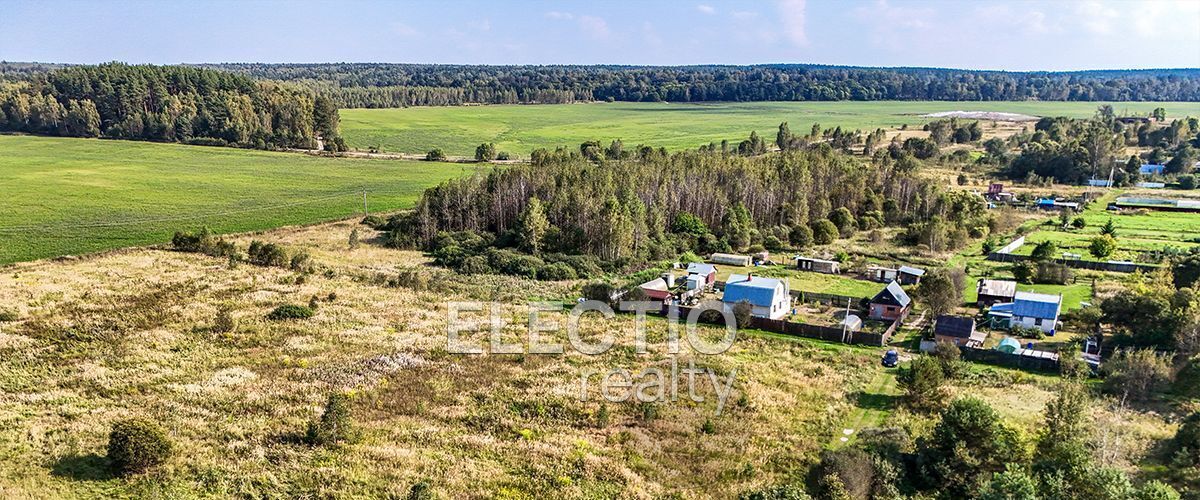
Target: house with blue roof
769,297
1152,169
1029,310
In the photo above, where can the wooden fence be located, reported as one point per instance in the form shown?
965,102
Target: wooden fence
1001,358
826,333
1005,255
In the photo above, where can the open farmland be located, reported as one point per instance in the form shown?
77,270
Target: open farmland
235,402
70,196
519,129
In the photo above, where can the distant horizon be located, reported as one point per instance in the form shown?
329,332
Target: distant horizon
982,35
697,65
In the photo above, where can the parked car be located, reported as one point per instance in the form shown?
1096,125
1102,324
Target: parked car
891,358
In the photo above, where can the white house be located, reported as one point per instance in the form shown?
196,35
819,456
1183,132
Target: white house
769,297
1029,310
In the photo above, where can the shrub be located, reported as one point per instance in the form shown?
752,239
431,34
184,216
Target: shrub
335,425
801,235
824,232
1136,373
7,315
1079,223
301,261
1187,438
224,322
742,313
1187,182
1044,250
475,264
373,221
557,271
599,290
435,154
1024,271
421,491
1102,246
922,382
290,311
267,254
203,242
354,239
136,445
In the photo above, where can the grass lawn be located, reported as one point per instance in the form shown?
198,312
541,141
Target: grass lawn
70,196
519,129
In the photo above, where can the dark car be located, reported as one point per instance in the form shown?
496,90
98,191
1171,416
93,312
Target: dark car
890,359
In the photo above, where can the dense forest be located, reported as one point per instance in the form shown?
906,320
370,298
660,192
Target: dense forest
165,103
397,85
625,207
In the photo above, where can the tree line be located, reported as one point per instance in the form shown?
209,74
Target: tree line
623,207
392,85
168,104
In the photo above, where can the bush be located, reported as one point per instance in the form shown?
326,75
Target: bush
7,315
824,231
1187,182
742,313
475,264
435,154
557,271
1102,246
301,262
224,322
290,311
922,382
801,236
203,242
267,254
136,445
599,291
373,221
1187,439
335,425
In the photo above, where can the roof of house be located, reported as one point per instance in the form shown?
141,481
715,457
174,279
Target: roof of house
701,268
997,288
1036,305
1150,168
814,259
954,326
892,294
915,271
757,290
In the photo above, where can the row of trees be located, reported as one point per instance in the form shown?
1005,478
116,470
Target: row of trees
391,85
168,103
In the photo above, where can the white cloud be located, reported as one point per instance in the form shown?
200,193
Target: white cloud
1097,17
595,27
405,30
706,9
554,14
791,14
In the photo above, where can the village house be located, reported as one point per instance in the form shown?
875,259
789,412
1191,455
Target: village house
910,275
890,303
993,291
730,259
958,330
1152,169
768,297
817,265
1029,310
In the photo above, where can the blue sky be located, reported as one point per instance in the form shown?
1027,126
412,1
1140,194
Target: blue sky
980,34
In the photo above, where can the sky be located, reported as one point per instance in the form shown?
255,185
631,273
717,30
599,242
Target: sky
1014,35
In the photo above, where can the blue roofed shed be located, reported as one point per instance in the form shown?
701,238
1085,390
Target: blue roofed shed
1152,169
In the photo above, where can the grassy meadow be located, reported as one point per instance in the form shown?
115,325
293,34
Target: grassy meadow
70,196
519,129
134,334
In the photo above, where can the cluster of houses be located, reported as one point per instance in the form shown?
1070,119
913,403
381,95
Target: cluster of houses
772,297
1006,308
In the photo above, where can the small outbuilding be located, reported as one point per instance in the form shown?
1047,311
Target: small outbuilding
890,303
730,259
883,274
817,265
659,288
958,330
1009,345
910,275
707,272
993,291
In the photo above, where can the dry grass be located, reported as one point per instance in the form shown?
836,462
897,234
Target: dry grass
132,333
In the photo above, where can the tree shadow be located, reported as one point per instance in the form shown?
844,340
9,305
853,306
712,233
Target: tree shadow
872,401
87,467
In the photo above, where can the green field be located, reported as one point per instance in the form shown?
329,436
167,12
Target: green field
70,196
521,128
